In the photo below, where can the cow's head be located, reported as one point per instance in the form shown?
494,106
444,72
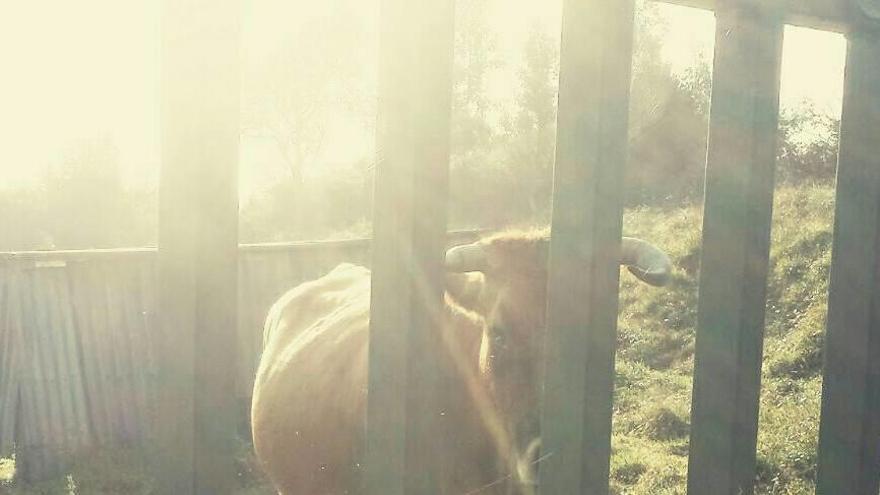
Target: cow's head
504,279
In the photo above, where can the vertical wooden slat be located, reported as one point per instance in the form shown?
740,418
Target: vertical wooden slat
591,146
849,431
137,344
409,225
198,231
104,353
736,239
92,343
9,365
30,421
249,347
149,283
34,394
78,429
119,339
46,403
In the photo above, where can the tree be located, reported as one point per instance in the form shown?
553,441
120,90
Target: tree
318,208
320,72
808,144
668,119
86,203
533,133
23,225
475,57
474,133
507,178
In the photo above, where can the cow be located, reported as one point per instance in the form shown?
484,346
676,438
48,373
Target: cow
310,393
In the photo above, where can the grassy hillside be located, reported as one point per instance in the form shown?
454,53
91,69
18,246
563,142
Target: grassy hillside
656,342
655,361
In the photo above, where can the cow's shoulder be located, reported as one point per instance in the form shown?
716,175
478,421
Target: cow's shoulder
345,288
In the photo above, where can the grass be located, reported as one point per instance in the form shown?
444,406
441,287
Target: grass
654,365
656,342
121,471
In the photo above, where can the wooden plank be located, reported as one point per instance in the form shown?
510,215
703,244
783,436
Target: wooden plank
10,369
595,67
137,344
850,425
198,240
62,257
38,428
409,226
831,15
78,432
736,243
47,399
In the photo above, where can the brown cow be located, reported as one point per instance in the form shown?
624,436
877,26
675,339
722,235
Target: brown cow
309,399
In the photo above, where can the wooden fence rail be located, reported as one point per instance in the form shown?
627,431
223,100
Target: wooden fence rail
736,250
583,272
409,226
849,433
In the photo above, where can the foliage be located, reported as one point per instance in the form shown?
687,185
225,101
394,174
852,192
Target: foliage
808,144
22,220
475,58
292,95
668,120
483,129
314,208
82,203
121,471
97,209
506,177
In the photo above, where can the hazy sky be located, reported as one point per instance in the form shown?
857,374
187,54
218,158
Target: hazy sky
76,70
88,69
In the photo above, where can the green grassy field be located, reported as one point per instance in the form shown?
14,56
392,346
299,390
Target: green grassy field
656,342
654,365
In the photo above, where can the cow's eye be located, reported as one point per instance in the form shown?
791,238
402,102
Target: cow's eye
499,337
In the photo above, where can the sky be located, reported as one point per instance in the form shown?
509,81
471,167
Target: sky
75,71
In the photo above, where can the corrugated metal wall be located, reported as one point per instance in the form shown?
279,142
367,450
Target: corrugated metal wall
77,364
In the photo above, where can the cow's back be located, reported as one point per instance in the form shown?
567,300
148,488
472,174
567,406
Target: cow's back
308,412
310,390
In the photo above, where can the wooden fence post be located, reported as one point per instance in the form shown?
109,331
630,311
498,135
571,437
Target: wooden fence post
849,431
409,226
736,241
198,246
595,66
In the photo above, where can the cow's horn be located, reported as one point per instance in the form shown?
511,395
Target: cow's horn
646,261
466,258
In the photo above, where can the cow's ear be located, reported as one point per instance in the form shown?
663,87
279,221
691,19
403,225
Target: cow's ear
466,289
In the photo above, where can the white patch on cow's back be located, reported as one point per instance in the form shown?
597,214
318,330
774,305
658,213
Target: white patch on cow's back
304,312
343,278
